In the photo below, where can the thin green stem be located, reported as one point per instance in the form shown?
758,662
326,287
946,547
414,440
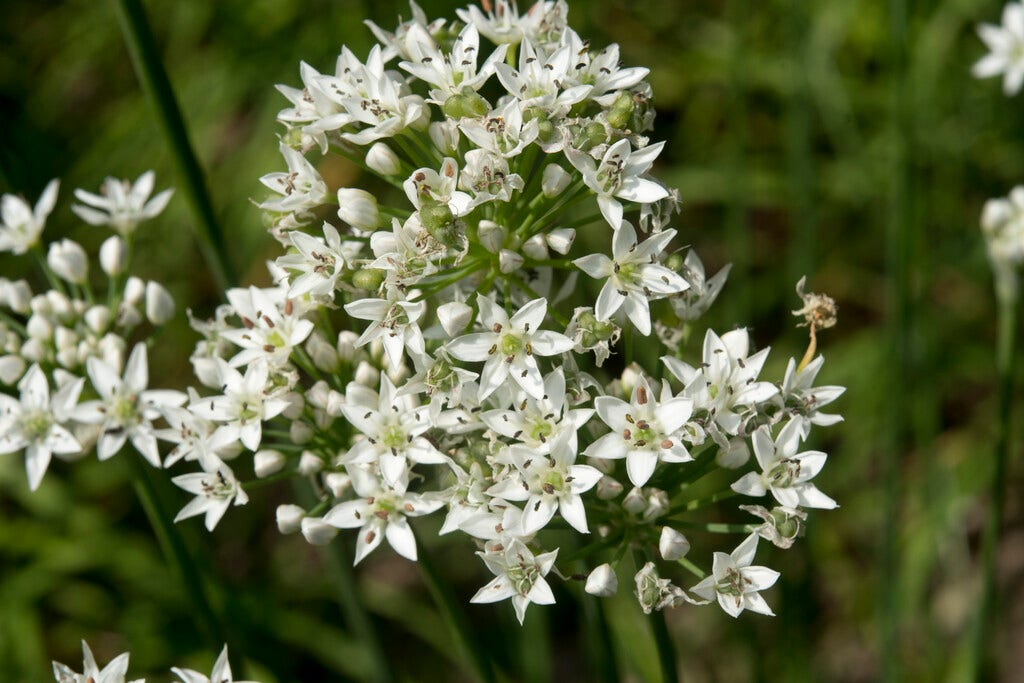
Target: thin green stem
152,75
691,567
987,617
662,638
441,592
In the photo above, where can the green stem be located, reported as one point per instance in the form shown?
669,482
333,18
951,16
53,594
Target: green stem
176,552
152,75
441,592
987,616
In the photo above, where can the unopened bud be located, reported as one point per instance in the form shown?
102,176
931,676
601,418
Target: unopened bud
323,353
68,260
608,488
382,160
98,319
509,261
358,208
491,235
445,136
317,531
554,181
134,290
536,248
634,502
11,369
159,303
454,316
338,483
560,240
672,545
300,433
289,518
734,455
310,463
602,582
113,255
267,462
347,345
367,375
657,504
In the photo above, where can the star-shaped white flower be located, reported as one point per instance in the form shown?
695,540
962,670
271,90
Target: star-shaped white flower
519,575
320,262
214,492
271,327
380,512
20,224
301,188
1006,46
394,320
735,583
634,276
126,409
618,176
644,431
510,345
221,672
243,407
785,472
33,423
122,204
449,72
804,401
114,672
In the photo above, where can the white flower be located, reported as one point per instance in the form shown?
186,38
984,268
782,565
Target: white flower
301,188
214,491
702,292
785,472
244,405
803,400
221,672
380,512
518,575
126,408
735,583
600,70
321,262
618,176
68,260
20,224
1006,45
487,176
656,593
540,80
502,132
121,204
1002,222
33,423
114,672
159,303
634,276
393,426
375,99
602,581
394,42
427,187
394,320
510,345
194,438
644,431
452,72
270,329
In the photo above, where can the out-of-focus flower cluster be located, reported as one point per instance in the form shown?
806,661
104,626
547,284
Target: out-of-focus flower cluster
425,349
116,671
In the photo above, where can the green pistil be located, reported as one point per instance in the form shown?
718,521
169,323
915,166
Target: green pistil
510,345
36,425
393,437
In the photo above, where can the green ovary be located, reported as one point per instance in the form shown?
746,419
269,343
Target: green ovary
510,345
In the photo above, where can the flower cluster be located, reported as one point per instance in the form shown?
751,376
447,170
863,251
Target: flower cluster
116,671
1006,49
63,350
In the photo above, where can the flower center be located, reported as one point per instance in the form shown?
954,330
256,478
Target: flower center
511,344
36,425
393,437
733,583
523,576
784,473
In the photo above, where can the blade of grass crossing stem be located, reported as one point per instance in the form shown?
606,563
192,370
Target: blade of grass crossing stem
152,75
452,612
898,242
985,666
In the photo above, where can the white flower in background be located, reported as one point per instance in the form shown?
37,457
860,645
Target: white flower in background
394,320
243,407
803,400
785,472
696,299
634,276
644,431
1002,222
510,345
214,492
20,224
114,672
618,176
1006,49
735,583
121,204
393,426
33,423
380,512
126,409
519,575
221,672
68,261
548,483
726,380
450,73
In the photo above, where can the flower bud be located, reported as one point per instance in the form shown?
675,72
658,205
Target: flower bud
536,248
33,350
634,501
11,369
267,462
454,316
445,136
317,531
134,290
68,260
347,345
608,488
128,315
369,279
602,582
16,296
554,181
672,545
112,348
657,504
113,255
39,328
159,303
335,400
296,403
324,355
60,305
560,240
491,235
509,261
358,208
310,463
63,338
338,483
367,375
735,455
289,518
300,433
98,319
382,160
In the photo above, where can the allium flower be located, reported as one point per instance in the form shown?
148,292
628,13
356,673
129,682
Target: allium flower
33,423
1002,222
121,204
803,400
449,72
270,326
20,224
785,472
395,321
618,176
695,301
735,583
536,423
1006,46
519,575
114,672
243,407
221,672
214,492
634,276
510,345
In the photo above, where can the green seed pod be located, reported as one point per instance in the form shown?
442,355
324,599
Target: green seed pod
369,279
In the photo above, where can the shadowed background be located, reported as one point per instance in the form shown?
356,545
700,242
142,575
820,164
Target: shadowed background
844,140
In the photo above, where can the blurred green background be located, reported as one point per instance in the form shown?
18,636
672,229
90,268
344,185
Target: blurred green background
844,140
